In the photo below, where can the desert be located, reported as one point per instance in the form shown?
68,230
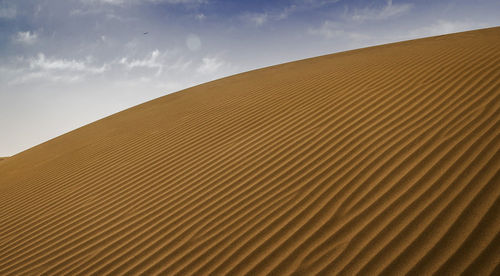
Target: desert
381,160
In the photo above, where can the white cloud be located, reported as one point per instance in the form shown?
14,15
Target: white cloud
344,27
41,68
109,2
51,64
285,12
180,64
112,2
106,11
45,76
130,2
8,12
210,65
27,38
303,5
443,27
149,62
257,19
318,2
200,17
168,60
180,1
388,11
330,29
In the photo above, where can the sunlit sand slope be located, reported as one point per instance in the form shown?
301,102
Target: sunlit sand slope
383,160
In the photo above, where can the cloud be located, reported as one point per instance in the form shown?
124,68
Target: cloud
200,17
443,27
107,12
7,12
330,29
386,12
136,2
53,64
181,1
158,61
149,62
314,3
257,19
210,65
111,2
24,70
27,38
346,30
287,11
180,64
46,76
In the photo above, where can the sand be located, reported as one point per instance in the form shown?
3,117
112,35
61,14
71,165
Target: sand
382,160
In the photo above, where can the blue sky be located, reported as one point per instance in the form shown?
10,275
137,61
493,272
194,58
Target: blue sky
66,63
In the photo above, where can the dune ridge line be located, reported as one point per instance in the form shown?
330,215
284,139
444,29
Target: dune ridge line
381,160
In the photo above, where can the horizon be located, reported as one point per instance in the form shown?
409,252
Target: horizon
65,64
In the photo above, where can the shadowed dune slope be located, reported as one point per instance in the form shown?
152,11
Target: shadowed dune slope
382,160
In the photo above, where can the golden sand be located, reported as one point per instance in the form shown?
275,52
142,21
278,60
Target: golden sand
382,160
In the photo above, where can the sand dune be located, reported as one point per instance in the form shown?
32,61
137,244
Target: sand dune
383,160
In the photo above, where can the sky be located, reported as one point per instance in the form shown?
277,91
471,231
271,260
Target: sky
67,63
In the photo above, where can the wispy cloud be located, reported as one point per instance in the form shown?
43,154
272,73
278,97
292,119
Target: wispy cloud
260,18
42,68
160,61
106,11
200,17
314,3
149,62
210,65
257,19
44,63
343,28
443,27
111,2
123,2
133,73
27,37
285,13
330,29
381,13
181,1
46,76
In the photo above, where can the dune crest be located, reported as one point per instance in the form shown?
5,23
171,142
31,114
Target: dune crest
382,160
